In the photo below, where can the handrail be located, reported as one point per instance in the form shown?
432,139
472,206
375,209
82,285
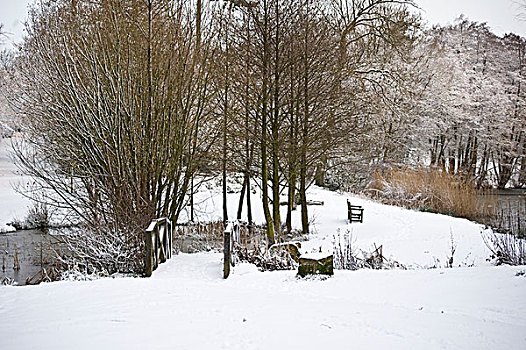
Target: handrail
158,244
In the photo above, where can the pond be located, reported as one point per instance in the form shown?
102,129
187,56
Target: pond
511,196
27,250
511,211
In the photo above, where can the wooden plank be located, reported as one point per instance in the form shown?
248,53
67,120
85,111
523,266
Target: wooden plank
354,212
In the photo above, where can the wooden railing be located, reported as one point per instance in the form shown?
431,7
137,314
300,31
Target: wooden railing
231,238
158,244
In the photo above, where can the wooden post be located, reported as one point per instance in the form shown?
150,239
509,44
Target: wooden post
230,237
161,239
169,238
148,268
226,253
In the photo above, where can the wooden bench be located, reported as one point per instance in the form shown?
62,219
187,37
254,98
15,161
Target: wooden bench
354,213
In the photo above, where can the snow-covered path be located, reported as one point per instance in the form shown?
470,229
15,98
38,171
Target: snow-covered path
187,305
412,238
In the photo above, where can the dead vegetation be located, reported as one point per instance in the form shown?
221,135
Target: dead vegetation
432,190
506,248
348,257
252,246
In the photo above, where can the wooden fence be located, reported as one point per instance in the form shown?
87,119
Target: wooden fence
231,237
158,244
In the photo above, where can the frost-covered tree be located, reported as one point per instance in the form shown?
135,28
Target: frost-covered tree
471,108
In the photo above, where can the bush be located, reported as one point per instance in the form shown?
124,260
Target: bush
431,190
100,251
347,257
267,259
38,217
506,249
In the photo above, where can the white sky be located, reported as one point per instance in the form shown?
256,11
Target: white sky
500,15
12,16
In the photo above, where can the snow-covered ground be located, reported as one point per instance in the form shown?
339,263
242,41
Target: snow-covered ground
13,205
412,238
187,304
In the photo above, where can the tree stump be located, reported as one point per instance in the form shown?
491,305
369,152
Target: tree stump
316,264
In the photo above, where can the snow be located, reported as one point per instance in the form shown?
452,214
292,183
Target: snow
12,204
414,239
316,256
187,305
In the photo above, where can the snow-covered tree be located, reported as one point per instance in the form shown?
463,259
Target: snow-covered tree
471,107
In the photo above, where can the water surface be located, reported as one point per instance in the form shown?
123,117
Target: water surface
29,246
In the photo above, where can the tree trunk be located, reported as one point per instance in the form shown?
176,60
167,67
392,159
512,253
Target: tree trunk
303,197
264,137
291,205
275,126
241,196
319,178
249,206
225,116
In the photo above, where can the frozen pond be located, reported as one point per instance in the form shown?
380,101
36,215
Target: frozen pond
511,197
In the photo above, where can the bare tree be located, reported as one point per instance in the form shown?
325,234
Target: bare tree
115,101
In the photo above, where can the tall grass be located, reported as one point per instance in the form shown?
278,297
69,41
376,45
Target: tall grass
432,190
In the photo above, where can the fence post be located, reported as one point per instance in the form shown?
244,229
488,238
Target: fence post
148,268
162,235
231,236
226,253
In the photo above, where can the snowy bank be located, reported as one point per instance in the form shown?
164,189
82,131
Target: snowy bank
187,305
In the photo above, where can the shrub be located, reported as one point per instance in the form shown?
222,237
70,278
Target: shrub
100,251
506,249
38,216
267,259
347,257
